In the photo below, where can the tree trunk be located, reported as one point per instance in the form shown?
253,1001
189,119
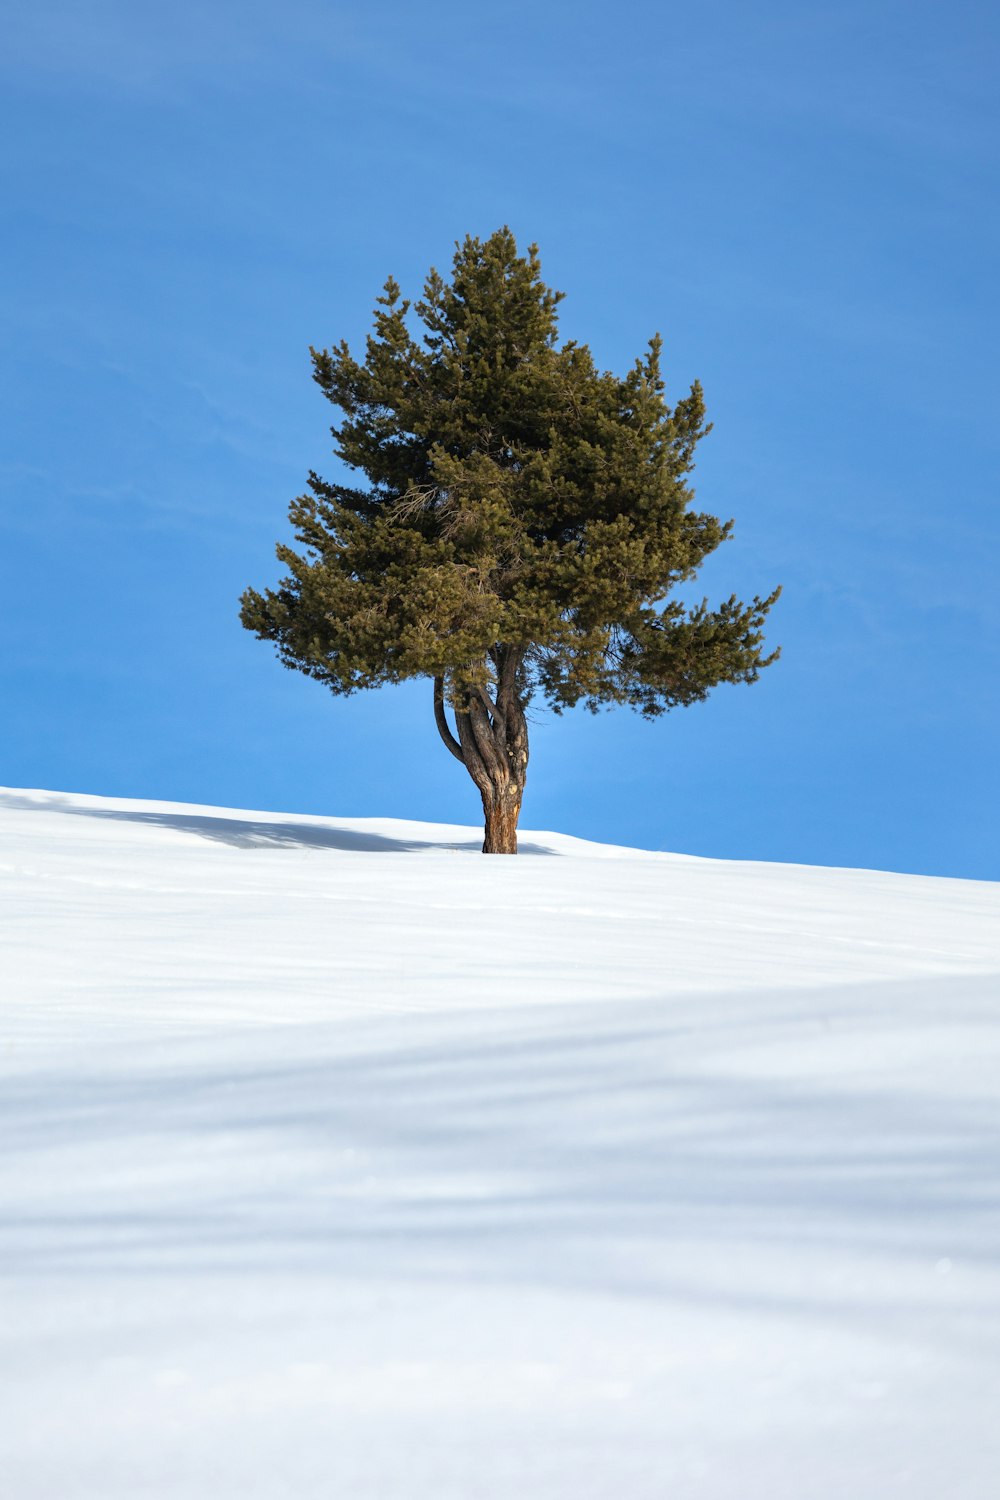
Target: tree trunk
502,813
492,744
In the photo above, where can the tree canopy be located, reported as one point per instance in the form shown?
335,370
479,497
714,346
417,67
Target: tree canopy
523,521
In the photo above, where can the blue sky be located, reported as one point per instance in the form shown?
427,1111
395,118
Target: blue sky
801,198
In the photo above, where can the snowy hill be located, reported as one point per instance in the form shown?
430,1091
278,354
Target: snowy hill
339,1161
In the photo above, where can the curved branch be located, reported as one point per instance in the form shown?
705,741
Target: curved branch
494,710
471,756
441,720
492,750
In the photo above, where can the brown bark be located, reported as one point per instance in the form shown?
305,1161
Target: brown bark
501,824
492,744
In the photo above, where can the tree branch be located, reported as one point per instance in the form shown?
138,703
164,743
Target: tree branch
495,711
441,720
471,756
489,743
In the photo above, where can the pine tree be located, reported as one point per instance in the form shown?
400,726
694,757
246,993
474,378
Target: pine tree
524,519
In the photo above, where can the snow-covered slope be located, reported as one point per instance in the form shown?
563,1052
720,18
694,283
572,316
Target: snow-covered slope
338,1161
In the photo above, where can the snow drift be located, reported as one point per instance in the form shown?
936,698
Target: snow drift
315,1184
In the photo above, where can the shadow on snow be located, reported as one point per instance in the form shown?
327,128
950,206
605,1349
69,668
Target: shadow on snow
249,833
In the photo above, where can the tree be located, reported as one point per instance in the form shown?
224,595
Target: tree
525,517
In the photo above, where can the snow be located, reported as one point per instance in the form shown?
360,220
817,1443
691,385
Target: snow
339,1161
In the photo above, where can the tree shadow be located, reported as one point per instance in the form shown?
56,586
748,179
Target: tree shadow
265,833
566,1154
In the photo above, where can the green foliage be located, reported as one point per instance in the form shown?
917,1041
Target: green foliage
518,500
